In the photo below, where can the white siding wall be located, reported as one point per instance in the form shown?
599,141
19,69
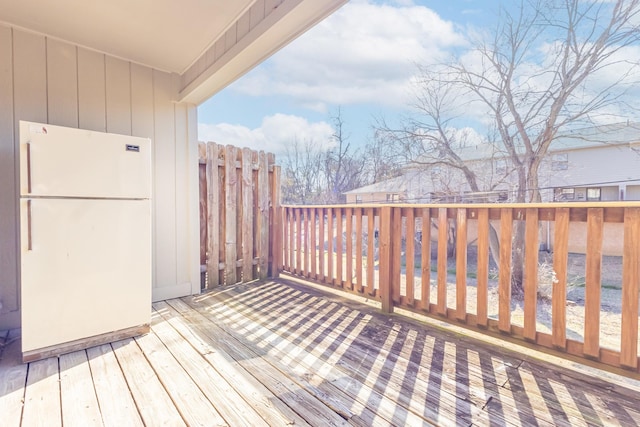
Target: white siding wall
603,164
49,81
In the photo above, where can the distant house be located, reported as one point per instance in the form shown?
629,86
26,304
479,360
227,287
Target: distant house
591,164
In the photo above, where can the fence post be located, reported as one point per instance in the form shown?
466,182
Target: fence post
386,218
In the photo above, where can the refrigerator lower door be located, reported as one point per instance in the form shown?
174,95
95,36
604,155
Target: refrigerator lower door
86,269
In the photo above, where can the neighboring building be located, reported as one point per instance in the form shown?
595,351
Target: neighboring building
591,164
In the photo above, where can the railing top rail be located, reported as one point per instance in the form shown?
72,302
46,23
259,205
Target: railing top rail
547,205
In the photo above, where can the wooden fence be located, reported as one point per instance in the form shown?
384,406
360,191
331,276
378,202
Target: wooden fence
384,253
239,193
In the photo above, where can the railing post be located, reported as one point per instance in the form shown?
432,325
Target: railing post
386,218
275,234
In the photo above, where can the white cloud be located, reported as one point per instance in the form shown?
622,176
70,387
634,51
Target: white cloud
363,53
275,133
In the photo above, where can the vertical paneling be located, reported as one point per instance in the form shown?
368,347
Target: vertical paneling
461,265
30,78
91,91
118,97
559,294
182,167
504,270
531,274
483,267
164,194
62,83
593,279
630,287
142,102
8,172
443,224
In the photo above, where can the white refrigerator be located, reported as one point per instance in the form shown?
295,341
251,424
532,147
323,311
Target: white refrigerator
85,238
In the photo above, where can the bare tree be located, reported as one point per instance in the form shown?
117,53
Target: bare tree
541,72
343,166
303,179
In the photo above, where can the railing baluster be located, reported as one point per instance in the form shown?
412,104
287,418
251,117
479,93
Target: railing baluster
370,250
386,219
504,270
531,274
313,242
483,268
330,273
349,254
595,222
443,224
299,248
321,240
396,253
461,265
339,257
630,278
359,250
425,260
559,296
410,255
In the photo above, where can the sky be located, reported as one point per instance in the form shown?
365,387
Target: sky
361,60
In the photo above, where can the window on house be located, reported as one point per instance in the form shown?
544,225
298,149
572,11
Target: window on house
560,162
593,194
500,166
564,194
358,199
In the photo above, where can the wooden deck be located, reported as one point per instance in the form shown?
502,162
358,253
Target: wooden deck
278,353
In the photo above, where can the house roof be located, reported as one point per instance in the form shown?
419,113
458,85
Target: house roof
588,137
192,38
399,184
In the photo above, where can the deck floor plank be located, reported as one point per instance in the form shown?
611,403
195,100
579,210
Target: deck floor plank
307,374
42,397
284,353
308,363
77,391
263,401
13,377
228,402
379,364
195,408
299,399
152,400
114,397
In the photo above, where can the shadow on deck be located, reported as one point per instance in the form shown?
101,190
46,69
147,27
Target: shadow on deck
278,352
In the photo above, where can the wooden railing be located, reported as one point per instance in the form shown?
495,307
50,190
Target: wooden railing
415,257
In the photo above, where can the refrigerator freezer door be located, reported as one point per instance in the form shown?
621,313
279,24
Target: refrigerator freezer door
66,162
86,268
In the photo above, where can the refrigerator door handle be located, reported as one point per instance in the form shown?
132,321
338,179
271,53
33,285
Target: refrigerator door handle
29,236
29,168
